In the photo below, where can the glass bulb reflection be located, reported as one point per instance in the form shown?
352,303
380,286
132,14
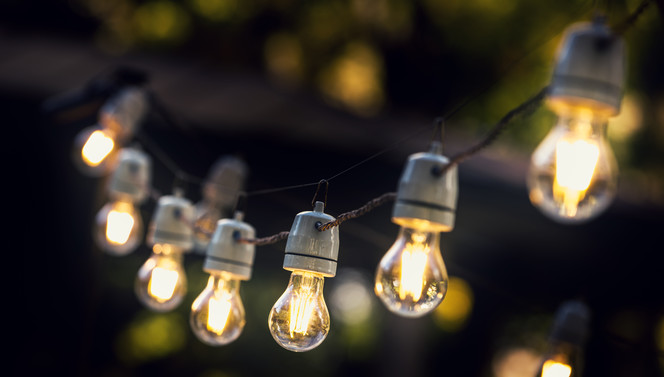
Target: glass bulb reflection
299,321
119,228
161,282
411,279
217,315
573,174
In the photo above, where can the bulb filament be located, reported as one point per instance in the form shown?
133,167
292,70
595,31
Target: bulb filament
413,263
162,283
302,305
118,226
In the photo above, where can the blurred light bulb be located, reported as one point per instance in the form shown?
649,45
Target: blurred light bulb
411,279
556,369
299,320
94,150
573,174
161,283
119,227
564,354
217,314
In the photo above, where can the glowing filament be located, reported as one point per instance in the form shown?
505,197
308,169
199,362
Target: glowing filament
96,148
555,369
162,283
575,166
302,307
413,263
218,313
118,227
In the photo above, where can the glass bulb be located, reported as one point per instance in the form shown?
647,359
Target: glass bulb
217,315
561,359
119,228
573,173
411,279
94,150
161,282
299,320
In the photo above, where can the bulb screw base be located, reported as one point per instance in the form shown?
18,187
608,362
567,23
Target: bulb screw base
426,199
307,248
224,253
172,223
590,69
131,177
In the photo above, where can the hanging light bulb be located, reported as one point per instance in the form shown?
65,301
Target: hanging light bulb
119,226
220,192
217,315
564,356
411,279
161,282
96,147
573,173
299,320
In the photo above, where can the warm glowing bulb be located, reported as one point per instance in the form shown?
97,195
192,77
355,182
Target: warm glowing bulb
573,172
119,228
411,279
161,282
97,147
95,150
217,315
299,320
555,369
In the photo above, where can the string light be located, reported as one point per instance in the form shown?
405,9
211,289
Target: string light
118,225
299,320
217,315
96,148
161,283
572,178
573,173
411,279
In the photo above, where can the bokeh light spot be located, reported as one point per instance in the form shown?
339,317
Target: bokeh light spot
452,314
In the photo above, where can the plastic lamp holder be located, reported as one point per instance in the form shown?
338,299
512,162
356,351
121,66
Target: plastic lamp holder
225,254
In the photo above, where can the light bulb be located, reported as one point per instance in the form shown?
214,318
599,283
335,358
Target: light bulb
217,315
161,283
564,354
299,320
119,227
573,173
94,150
411,279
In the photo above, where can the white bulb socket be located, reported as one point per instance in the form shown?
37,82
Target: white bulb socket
590,69
124,111
172,223
426,198
309,249
225,180
226,254
131,177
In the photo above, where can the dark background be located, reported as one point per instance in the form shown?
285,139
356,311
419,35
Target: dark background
71,309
